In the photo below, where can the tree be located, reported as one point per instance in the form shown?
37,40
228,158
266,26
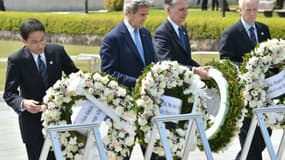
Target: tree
113,5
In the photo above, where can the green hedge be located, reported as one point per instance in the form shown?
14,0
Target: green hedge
200,25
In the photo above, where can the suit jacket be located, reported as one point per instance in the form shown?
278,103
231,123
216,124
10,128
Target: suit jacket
235,41
168,46
120,57
23,81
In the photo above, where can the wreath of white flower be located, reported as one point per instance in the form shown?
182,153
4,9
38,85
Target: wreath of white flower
155,80
255,69
60,99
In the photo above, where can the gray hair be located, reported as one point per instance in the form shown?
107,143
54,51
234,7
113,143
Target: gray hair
241,3
170,2
134,5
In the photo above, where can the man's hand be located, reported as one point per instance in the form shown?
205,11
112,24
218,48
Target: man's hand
32,106
279,65
202,72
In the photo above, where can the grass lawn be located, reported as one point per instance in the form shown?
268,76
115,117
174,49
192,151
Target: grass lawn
2,75
9,47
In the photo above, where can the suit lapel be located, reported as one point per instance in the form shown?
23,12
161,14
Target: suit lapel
260,34
244,36
32,66
130,42
176,38
50,61
31,62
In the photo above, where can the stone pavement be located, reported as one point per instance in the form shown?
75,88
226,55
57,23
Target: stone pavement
12,148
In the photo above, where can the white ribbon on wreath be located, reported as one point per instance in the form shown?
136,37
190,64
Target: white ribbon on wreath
64,95
111,113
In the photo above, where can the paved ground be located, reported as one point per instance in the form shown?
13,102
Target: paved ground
11,147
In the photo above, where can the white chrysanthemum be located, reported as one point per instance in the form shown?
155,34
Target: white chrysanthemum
121,92
262,58
130,140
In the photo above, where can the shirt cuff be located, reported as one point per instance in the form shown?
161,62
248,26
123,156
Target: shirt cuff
21,106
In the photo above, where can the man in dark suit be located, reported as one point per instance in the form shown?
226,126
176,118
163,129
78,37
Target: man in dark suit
239,39
30,72
171,41
235,41
128,48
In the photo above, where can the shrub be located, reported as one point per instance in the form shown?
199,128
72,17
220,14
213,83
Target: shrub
113,5
200,25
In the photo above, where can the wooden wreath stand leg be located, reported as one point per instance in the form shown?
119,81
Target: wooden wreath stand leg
158,124
52,140
258,117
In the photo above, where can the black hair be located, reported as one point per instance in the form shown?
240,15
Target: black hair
29,26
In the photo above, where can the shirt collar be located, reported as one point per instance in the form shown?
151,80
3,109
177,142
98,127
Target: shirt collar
246,25
129,27
174,25
35,56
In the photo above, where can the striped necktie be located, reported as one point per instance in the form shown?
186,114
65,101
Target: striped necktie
43,70
252,36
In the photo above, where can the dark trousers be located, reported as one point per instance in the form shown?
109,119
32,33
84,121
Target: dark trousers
34,150
2,7
204,5
257,144
215,4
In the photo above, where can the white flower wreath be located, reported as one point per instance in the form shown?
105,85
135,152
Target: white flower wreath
255,69
156,79
68,91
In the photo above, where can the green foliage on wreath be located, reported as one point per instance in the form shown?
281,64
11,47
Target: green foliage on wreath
231,126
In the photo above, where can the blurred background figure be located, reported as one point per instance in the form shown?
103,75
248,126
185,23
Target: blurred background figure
204,5
2,7
215,5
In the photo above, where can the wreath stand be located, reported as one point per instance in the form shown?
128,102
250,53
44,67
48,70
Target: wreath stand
159,124
258,117
52,140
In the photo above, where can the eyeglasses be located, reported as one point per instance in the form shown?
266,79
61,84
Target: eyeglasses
35,43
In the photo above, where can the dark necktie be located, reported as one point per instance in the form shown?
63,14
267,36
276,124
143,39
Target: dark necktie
252,36
139,44
182,38
43,70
